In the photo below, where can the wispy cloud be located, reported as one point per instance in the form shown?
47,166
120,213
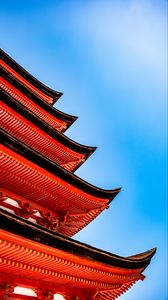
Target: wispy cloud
127,44
136,28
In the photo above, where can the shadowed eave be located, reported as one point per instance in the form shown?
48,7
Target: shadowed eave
36,233
54,95
15,145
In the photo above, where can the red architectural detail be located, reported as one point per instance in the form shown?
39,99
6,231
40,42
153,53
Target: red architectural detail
44,295
57,221
48,221
2,197
5,290
28,80
60,125
114,293
26,210
42,203
33,136
25,82
44,264
41,187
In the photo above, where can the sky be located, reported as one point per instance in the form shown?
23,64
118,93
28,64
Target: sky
109,59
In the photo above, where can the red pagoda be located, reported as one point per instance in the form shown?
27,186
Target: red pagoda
43,203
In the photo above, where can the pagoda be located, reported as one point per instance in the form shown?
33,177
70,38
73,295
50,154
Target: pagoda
43,203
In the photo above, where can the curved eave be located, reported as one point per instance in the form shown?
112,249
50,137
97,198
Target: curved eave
72,224
26,75
69,119
144,256
12,143
46,237
22,110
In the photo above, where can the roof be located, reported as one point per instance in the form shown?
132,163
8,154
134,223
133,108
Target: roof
38,159
85,269
23,124
58,119
46,93
28,174
42,203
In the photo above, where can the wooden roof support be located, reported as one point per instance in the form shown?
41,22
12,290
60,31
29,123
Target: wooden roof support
43,163
54,145
38,258
57,119
42,202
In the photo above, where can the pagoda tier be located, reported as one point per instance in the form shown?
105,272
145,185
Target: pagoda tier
26,79
49,263
28,128
52,116
43,204
65,202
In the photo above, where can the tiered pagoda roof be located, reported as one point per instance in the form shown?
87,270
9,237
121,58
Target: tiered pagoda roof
64,201
12,81
26,79
23,124
43,203
58,262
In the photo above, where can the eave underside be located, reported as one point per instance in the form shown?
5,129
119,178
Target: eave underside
58,202
28,154
46,93
55,118
65,222
63,265
25,127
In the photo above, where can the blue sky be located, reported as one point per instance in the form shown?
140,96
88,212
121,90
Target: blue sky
109,59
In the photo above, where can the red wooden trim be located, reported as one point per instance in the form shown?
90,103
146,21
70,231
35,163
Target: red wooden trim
60,125
34,261
13,162
66,223
114,293
36,138
19,297
30,78
27,83
21,177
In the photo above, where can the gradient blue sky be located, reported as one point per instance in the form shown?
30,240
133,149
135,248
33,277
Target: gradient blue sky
109,59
